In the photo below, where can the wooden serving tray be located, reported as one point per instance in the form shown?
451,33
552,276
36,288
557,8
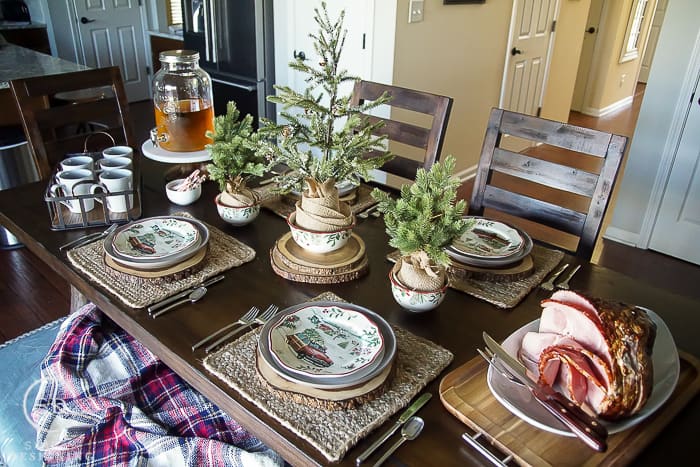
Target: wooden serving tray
466,395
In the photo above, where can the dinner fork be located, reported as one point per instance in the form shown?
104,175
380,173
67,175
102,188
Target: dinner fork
549,285
262,319
491,359
565,283
246,319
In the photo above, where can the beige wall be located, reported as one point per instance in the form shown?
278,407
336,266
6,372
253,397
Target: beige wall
457,51
615,81
565,59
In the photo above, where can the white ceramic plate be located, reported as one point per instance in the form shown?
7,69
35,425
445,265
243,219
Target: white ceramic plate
322,382
487,238
159,263
519,401
331,341
493,262
155,238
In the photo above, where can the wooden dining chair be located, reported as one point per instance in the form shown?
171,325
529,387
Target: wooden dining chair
50,122
418,144
558,189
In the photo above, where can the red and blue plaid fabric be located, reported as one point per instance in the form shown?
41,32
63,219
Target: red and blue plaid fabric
107,400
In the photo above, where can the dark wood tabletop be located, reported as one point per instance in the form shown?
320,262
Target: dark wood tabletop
456,325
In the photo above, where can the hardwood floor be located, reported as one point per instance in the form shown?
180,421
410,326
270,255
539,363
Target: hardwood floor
32,294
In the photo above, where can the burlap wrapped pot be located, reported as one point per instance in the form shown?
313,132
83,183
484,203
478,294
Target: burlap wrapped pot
417,272
320,209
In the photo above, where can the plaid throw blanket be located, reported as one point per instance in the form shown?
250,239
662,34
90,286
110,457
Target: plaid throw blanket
106,400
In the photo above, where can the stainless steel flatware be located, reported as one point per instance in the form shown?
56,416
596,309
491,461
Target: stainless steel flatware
167,301
365,214
262,319
549,285
410,431
585,427
247,318
565,283
88,238
408,413
194,296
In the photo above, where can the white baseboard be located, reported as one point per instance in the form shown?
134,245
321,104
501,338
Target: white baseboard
622,236
594,112
467,174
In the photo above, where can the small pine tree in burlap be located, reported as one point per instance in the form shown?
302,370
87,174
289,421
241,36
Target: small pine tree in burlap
422,222
234,157
314,121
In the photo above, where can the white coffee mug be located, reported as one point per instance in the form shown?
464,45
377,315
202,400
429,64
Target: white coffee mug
75,183
77,162
118,151
114,181
114,163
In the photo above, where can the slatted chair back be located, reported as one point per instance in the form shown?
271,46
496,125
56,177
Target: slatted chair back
562,183
50,123
415,145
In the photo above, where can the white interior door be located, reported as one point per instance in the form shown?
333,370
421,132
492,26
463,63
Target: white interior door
677,227
528,55
356,57
587,51
111,35
650,48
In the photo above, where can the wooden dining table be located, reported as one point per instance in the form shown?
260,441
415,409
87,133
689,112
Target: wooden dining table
457,324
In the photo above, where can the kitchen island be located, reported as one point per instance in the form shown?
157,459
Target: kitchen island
18,62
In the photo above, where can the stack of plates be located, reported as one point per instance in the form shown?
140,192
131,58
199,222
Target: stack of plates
489,243
157,246
324,348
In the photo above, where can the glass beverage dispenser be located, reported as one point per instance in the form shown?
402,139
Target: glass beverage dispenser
182,98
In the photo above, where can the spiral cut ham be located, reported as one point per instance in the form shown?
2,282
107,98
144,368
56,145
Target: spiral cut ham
597,352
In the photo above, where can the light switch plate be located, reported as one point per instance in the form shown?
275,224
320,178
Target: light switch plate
415,11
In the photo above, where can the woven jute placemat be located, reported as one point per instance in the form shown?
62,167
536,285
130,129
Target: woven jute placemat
224,252
332,432
504,294
284,205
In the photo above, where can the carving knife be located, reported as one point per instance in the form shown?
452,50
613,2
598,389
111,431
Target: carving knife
585,427
184,293
408,413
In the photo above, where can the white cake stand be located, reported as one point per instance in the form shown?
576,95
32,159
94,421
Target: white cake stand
170,157
184,162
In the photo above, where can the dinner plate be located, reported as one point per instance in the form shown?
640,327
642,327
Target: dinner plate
159,263
330,341
154,238
488,238
493,262
323,382
520,402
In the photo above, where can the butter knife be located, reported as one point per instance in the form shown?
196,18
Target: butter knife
408,413
585,427
88,238
184,293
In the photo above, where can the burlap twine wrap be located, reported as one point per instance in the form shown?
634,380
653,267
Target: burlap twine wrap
225,252
284,205
242,199
416,273
504,294
333,433
322,211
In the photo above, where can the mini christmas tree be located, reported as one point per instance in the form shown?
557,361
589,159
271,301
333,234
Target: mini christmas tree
233,152
425,218
314,121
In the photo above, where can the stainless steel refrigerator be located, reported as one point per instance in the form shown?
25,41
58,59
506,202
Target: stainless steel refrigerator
236,47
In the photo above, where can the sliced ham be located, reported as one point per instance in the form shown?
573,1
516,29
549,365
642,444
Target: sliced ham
596,352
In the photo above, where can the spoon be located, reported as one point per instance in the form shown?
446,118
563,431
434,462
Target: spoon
410,431
196,294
